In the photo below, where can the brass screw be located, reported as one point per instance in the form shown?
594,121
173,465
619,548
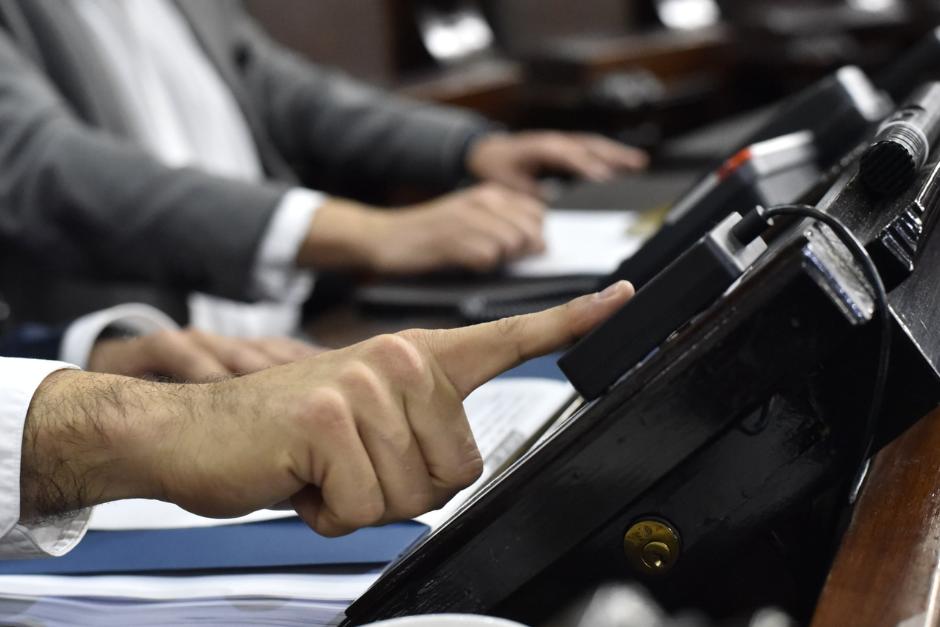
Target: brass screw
651,547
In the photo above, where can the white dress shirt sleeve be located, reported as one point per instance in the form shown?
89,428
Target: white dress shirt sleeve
81,335
19,379
275,273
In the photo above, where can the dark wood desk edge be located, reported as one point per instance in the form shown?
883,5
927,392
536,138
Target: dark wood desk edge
887,570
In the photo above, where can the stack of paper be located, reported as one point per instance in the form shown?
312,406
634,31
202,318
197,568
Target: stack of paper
266,599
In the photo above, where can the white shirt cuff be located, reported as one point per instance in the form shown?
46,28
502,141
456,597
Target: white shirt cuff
19,379
82,334
275,274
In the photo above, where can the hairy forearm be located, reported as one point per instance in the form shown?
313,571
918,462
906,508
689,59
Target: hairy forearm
93,438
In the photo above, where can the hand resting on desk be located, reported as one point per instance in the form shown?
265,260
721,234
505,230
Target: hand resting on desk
194,355
355,437
477,229
516,160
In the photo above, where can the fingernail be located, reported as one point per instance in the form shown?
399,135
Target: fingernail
612,290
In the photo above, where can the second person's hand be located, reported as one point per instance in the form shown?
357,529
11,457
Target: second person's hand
477,229
193,355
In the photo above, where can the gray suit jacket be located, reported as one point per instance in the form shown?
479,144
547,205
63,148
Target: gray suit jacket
77,195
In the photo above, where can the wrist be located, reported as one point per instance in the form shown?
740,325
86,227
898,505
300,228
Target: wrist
479,152
344,234
90,439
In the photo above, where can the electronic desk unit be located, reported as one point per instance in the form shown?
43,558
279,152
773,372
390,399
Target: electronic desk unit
715,468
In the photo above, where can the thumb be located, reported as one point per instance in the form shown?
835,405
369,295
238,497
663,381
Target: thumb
471,356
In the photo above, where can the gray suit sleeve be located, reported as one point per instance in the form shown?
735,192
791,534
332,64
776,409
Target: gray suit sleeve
88,203
343,128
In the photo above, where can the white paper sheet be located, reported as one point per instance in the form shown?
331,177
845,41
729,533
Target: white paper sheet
310,587
148,514
250,599
582,242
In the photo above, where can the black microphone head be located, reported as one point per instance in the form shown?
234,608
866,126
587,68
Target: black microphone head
902,145
892,162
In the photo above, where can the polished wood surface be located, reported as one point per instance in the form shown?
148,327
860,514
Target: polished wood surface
526,26
378,41
887,571
666,53
489,86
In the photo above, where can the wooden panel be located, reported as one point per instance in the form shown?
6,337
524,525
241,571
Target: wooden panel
524,25
357,36
666,53
886,571
378,41
491,86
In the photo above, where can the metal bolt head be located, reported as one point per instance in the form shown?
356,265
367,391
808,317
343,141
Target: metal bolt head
651,547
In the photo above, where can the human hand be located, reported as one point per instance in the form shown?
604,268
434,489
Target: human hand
193,355
477,229
355,437
516,160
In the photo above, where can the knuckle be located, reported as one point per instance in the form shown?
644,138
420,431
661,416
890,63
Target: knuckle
327,410
400,357
362,379
489,193
396,438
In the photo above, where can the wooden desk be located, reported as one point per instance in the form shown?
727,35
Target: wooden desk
887,570
490,86
666,53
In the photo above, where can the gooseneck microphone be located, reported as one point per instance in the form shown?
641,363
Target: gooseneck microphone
902,144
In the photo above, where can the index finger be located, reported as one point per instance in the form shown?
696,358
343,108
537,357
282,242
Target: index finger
471,356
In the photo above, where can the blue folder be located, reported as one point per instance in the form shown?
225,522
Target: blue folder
274,544
545,367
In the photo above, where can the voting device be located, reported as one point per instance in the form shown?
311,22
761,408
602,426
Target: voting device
709,466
